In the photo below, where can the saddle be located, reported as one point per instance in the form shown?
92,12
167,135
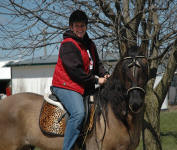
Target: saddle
53,116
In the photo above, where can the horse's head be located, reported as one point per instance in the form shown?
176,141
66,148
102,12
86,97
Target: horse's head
132,71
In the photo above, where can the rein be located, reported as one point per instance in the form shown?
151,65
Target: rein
97,106
104,118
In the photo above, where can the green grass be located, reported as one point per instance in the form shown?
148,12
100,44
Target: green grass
168,126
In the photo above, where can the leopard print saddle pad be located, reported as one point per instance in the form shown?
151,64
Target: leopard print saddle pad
52,119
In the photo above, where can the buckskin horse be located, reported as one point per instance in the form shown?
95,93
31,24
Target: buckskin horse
118,117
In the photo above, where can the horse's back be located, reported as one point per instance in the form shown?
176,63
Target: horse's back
18,106
19,123
17,113
20,98
15,104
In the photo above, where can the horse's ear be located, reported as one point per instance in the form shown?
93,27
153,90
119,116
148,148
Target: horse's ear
123,49
143,49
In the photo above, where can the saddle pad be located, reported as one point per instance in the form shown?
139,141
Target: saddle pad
52,120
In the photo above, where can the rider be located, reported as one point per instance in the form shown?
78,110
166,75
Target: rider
74,74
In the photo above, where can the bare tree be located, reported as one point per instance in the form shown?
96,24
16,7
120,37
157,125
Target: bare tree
152,24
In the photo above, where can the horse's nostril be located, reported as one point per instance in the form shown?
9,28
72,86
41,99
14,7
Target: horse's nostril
134,107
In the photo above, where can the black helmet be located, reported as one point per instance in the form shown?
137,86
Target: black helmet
78,16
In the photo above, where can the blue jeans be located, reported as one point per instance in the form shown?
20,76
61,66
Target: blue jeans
73,102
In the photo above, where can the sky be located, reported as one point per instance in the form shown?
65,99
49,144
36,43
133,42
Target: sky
14,54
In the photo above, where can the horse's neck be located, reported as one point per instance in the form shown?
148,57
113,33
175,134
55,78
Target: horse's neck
118,135
135,125
122,134
135,128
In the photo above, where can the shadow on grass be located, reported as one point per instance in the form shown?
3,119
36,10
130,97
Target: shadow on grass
170,133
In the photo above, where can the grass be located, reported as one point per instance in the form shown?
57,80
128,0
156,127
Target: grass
169,130
168,126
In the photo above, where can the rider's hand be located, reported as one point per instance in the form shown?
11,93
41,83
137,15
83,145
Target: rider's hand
106,76
101,80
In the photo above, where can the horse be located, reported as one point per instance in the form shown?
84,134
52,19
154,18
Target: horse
117,120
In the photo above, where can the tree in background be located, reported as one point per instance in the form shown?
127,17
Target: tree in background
116,24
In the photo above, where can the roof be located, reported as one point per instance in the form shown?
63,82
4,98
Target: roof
35,61
3,63
50,60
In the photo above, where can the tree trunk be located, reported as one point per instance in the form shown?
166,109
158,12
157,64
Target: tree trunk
151,125
153,102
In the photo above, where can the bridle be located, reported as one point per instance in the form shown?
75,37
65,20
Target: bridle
135,63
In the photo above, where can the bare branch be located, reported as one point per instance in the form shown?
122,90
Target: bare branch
106,9
35,15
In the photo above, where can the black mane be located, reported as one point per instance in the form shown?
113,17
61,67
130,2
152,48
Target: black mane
111,93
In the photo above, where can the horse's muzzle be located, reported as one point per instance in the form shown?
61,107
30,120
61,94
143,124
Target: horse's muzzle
136,100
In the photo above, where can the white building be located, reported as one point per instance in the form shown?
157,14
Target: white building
171,97
32,75
165,103
5,77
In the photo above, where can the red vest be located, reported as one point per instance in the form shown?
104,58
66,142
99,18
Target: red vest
62,79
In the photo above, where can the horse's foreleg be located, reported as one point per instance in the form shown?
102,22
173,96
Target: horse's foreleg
29,147
32,147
